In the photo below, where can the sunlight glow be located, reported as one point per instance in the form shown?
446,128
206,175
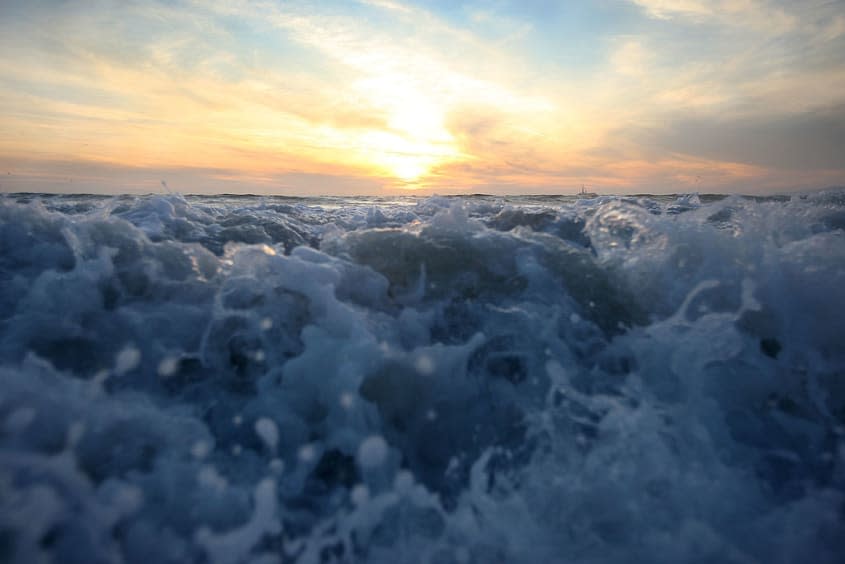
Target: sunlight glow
415,139
403,157
390,95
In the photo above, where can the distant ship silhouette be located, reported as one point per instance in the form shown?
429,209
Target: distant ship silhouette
584,194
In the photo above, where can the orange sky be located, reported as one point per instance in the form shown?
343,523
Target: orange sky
379,96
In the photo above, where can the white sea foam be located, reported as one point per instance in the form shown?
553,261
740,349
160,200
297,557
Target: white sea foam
438,380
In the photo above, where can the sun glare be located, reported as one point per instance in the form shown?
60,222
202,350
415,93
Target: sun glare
415,139
405,157
408,168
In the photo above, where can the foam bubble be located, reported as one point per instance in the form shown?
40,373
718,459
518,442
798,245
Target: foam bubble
127,360
201,449
372,452
347,400
424,364
269,433
360,494
168,366
307,453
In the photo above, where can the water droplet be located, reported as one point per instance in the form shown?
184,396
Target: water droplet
127,359
372,452
269,433
424,364
200,449
360,494
168,366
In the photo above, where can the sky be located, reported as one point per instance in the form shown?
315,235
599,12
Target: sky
443,96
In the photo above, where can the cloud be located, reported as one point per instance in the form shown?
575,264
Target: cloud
802,141
631,58
757,14
666,9
81,176
464,95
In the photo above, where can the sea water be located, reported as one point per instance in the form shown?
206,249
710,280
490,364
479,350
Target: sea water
232,379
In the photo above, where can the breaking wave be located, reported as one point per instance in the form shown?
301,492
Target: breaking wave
477,379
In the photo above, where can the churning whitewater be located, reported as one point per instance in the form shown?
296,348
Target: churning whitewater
442,380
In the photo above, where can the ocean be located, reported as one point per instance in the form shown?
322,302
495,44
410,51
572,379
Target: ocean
474,379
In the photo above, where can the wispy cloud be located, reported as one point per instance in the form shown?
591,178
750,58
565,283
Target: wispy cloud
756,14
434,96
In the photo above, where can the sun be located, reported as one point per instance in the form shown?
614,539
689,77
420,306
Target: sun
408,167
404,156
414,139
